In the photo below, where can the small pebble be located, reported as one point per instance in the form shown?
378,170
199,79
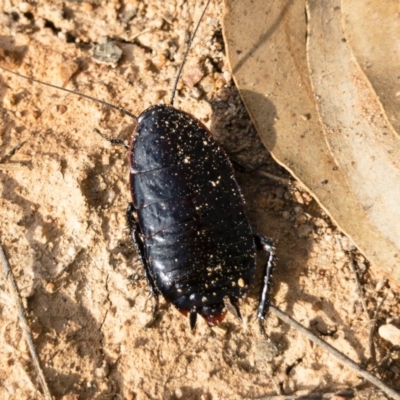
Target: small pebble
87,6
362,267
227,76
25,7
298,210
159,60
9,100
195,93
40,23
305,117
61,35
65,72
298,197
51,287
340,254
192,75
379,286
390,333
102,372
301,219
106,52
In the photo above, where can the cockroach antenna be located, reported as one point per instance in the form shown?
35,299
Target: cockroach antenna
105,103
186,55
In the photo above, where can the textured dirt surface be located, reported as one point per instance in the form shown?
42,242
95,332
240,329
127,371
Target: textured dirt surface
64,191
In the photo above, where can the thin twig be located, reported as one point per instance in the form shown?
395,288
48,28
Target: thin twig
24,324
337,354
84,96
283,181
347,393
12,151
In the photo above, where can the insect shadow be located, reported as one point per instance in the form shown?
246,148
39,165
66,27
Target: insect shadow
294,243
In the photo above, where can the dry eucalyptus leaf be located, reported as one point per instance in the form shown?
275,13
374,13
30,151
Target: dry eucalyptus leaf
372,30
365,147
269,65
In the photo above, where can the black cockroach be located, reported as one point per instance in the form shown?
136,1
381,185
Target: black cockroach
187,216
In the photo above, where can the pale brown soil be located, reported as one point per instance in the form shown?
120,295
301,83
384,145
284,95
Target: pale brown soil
63,199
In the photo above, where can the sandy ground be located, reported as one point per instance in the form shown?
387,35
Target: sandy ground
63,197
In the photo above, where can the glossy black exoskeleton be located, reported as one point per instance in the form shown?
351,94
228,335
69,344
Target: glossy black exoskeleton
187,217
